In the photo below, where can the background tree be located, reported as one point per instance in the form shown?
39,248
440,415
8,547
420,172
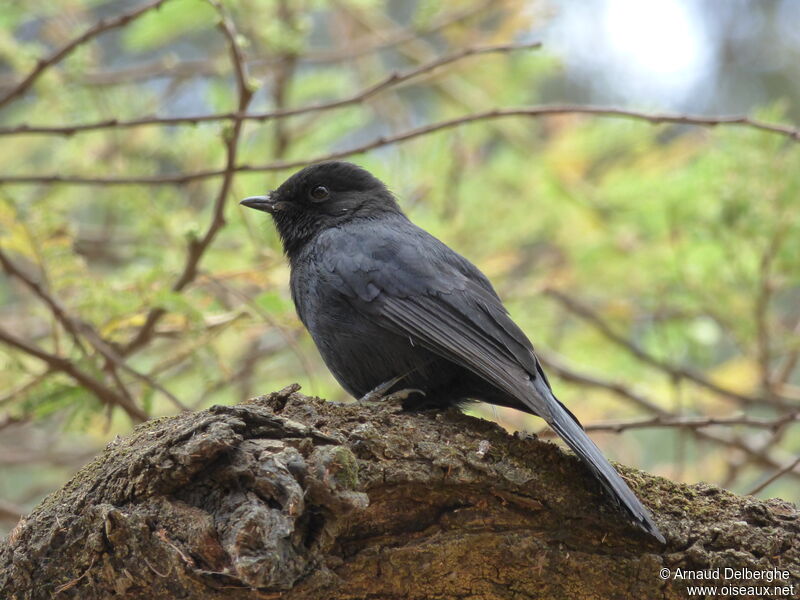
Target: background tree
655,267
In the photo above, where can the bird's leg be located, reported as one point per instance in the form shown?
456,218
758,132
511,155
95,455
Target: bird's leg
401,395
378,393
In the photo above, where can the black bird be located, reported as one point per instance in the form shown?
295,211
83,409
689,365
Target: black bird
389,305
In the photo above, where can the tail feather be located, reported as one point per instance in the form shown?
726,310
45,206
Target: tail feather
564,423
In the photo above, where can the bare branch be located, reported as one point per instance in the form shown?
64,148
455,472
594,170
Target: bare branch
77,328
760,456
535,112
55,307
197,248
15,392
170,67
392,80
283,331
103,393
761,308
389,39
100,27
790,362
693,422
674,371
775,476
567,373
16,456
177,357
282,76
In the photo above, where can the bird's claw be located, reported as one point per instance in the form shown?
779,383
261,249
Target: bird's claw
401,395
398,396
378,394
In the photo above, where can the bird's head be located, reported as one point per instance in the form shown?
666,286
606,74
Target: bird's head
321,196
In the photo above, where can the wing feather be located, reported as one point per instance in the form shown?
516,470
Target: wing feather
441,325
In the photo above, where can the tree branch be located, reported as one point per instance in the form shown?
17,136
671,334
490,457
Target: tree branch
77,328
292,497
393,80
775,476
197,248
674,371
791,133
168,67
760,456
105,394
100,27
691,422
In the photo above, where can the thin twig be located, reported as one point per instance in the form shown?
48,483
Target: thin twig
169,67
197,248
177,357
55,307
693,422
384,40
761,308
393,80
790,362
775,476
662,418
569,373
282,77
674,371
734,468
15,392
77,328
534,111
101,26
105,394
284,332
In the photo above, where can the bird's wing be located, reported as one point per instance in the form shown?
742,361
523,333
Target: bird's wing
468,330
439,300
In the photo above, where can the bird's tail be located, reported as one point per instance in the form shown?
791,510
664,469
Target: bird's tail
567,426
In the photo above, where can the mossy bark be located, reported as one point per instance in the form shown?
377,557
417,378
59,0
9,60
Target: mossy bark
291,497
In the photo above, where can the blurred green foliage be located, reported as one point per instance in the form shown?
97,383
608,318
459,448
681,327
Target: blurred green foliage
683,241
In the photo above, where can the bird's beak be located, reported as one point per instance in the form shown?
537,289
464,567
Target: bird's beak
265,203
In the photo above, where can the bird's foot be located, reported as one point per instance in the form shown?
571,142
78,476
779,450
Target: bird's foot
401,395
398,396
379,393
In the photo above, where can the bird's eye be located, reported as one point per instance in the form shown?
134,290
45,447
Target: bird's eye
319,193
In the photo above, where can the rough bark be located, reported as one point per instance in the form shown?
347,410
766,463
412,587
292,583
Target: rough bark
291,497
